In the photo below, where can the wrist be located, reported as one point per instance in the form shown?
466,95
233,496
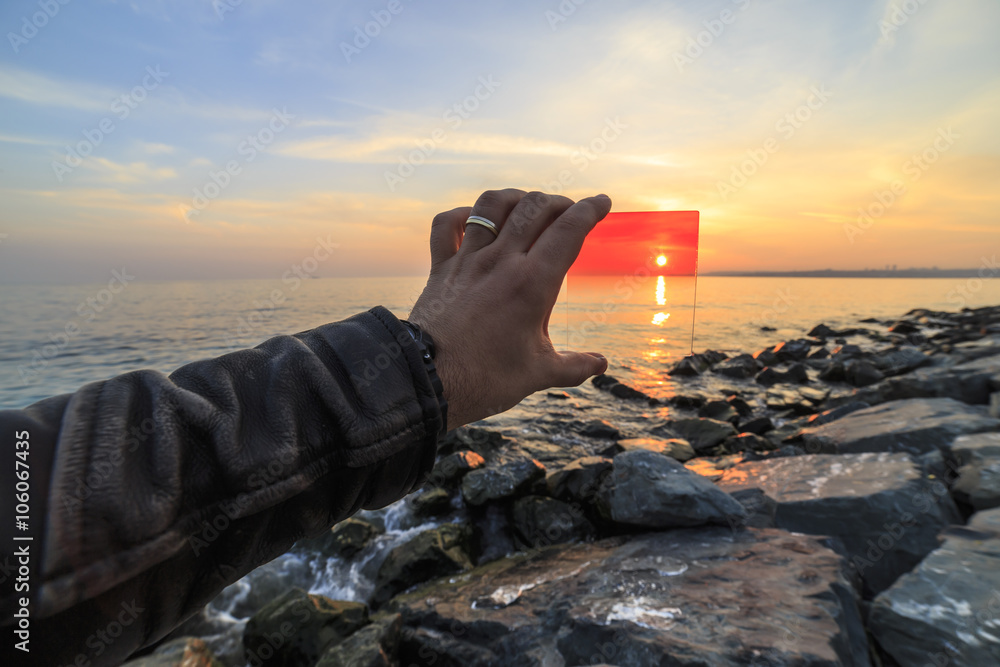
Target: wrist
427,348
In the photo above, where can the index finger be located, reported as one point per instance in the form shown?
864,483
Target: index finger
559,244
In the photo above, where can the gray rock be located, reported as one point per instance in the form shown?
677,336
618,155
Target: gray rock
349,537
579,480
739,367
431,554
758,426
881,507
653,490
722,411
978,482
502,480
899,360
703,434
374,645
947,611
686,597
822,331
544,521
450,469
745,442
431,502
599,428
296,628
915,425
796,374
618,389
861,373
181,652
675,448
994,404
793,350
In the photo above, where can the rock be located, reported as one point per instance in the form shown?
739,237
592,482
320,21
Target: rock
432,553
781,398
429,503
707,596
900,360
994,404
675,448
758,426
819,354
500,481
880,506
450,469
978,482
759,507
701,433
846,352
739,367
719,410
796,374
834,372
543,521
814,395
599,428
374,645
947,611
742,407
861,373
653,490
484,442
745,442
349,537
904,327
793,350
915,425
182,652
696,364
578,481
822,331
766,357
297,627
834,414
620,390
560,395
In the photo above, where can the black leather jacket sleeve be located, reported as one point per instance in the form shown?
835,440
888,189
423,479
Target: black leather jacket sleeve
150,493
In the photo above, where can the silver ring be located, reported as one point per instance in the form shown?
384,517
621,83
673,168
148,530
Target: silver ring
480,220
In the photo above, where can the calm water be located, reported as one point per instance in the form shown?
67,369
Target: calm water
55,338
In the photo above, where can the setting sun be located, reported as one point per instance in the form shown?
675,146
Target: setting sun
661,260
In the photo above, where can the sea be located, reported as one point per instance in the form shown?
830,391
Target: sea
55,338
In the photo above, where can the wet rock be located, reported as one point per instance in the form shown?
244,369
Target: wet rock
822,331
744,442
766,357
994,404
796,374
578,481
947,611
675,448
783,398
542,521
374,645
297,627
707,596
845,352
758,426
599,428
721,411
182,652
696,364
814,395
819,354
619,389
739,367
861,373
560,395
834,372
502,480
431,554
978,482
880,506
652,490
349,537
759,507
429,503
793,350
899,360
450,469
485,442
741,406
904,327
969,382
915,425
701,433
836,413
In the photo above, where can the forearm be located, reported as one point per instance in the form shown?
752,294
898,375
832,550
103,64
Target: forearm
164,490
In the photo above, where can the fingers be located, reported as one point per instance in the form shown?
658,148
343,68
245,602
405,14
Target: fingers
560,242
495,206
533,213
446,233
572,368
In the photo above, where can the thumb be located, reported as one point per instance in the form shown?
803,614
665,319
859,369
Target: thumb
573,368
446,233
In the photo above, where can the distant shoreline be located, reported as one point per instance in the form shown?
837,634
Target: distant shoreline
870,273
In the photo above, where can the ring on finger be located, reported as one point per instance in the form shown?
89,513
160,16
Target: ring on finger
484,222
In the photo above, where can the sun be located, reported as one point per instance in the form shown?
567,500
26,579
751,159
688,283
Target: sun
661,260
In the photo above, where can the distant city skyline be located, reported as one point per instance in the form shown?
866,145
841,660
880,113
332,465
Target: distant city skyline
195,139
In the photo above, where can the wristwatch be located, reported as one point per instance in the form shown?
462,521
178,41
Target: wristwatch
425,344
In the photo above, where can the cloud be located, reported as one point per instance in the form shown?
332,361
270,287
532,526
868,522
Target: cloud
134,172
40,90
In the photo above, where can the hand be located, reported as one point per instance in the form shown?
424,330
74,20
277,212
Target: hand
488,300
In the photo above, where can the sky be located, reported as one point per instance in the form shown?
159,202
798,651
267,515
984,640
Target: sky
197,139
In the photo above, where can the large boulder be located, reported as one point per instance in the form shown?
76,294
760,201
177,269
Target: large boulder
652,490
916,426
740,367
503,480
686,597
450,469
883,509
947,611
542,521
703,434
579,480
978,482
432,553
374,645
296,628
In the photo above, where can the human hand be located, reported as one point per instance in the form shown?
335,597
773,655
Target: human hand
488,300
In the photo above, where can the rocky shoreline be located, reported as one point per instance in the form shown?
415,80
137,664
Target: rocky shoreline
831,500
